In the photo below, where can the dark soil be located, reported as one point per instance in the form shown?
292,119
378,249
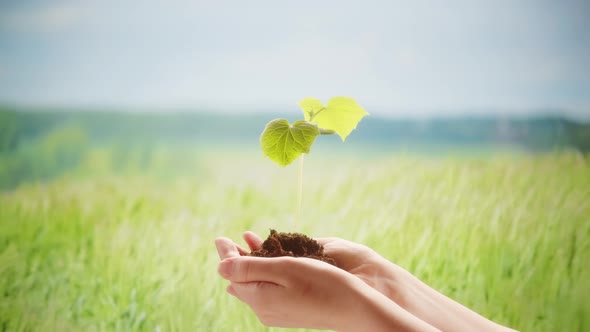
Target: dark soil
292,244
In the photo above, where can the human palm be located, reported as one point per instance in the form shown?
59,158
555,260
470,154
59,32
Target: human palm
356,259
402,288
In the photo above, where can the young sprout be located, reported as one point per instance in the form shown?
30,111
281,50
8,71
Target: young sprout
283,142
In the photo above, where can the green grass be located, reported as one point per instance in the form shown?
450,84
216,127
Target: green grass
507,236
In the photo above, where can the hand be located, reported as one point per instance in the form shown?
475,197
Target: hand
302,292
405,289
352,257
366,264
397,284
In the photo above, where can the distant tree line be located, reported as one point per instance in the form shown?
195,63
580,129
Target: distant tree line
536,134
40,144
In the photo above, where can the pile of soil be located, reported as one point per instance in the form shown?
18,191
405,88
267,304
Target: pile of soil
292,244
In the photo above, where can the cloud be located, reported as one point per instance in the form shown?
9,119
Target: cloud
46,19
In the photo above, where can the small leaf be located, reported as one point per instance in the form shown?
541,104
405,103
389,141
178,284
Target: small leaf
283,142
310,106
341,115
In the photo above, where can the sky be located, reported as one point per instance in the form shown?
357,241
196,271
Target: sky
396,58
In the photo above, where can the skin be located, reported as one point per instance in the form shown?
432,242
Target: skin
365,292
306,293
403,288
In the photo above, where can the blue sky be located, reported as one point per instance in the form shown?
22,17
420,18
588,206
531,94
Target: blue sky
414,58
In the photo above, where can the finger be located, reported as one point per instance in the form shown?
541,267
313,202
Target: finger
253,240
226,248
254,292
322,240
242,251
325,240
252,269
328,244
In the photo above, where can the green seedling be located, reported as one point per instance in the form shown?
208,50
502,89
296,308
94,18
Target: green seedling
283,142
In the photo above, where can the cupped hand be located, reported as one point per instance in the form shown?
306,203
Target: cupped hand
285,291
306,293
293,292
388,281
356,259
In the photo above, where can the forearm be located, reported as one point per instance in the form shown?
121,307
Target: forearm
431,306
375,312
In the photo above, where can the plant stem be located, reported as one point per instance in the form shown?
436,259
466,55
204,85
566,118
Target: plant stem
300,182
299,192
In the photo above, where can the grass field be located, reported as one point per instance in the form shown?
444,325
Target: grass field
508,236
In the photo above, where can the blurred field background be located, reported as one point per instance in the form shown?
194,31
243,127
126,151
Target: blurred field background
108,219
129,142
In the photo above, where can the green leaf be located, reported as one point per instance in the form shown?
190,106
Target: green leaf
283,142
310,107
341,115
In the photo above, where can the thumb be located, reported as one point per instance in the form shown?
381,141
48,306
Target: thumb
226,248
256,293
252,269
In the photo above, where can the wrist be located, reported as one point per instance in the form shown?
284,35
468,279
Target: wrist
429,305
373,311
394,282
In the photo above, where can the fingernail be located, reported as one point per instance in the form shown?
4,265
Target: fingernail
225,268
